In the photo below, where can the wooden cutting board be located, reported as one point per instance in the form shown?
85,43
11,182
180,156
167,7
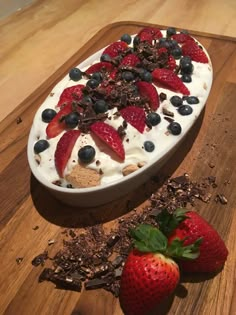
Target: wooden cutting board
208,150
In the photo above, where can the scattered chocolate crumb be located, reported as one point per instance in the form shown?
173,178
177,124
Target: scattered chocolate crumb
51,242
96,258
162,96
36,227
221,198
211,165
167,112
168,119
18,120
19,260
40,259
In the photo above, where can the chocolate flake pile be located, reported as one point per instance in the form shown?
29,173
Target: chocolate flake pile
94,259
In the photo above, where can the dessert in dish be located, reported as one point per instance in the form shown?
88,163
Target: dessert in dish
124,107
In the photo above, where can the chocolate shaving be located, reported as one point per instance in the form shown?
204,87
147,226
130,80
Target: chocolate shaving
96,259
221,198
40,259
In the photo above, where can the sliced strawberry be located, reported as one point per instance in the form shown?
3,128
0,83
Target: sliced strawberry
182,38
162,50
154,31
64,148
110,136
113,74
135,116
168,79
97,67
115,49
171,62
71,93
146,37
57,124
192,50
130,60
148,90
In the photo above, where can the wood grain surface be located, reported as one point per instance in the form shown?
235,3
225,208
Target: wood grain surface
39,39
208,150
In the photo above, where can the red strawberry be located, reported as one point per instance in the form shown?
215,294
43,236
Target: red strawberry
145,37
115,49
64,148
189,227
168,79
182,38
162,50
155,32
192,50
146,280
71,93
130,60
135,116
148,275
113,74
149,91
57,124
110,136
97,67
171,63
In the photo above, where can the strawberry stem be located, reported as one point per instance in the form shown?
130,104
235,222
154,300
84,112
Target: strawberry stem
168,222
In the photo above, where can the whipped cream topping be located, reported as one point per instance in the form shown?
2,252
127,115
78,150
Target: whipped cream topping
109,165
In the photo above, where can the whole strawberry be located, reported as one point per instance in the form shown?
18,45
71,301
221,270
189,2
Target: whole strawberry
149,274
189,226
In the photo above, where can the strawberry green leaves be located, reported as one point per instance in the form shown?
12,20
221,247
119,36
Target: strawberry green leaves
169,221
149,239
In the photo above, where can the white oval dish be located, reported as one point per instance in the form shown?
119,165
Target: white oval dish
117,185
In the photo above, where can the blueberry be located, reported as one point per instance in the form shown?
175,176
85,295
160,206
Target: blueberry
92,83
186,78
171,31
149,146
147,76
100,106
72,120
86,154
176,52
187,68
185,59
86,100
75,74
127,76
153,118
184,32
126,38
174,43
40,146
48,114
175,128
97,76
105,57
185,110
165,43
176,100
136,40
192,100
162,40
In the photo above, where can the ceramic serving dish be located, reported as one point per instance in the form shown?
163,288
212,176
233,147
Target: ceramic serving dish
114,185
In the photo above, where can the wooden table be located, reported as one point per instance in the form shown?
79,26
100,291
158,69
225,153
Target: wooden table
209,150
